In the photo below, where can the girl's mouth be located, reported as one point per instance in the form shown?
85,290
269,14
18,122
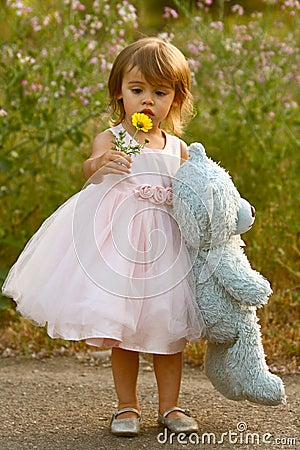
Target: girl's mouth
148,113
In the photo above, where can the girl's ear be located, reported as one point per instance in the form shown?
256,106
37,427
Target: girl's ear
175,102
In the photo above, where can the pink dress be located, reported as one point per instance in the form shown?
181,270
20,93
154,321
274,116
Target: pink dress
109,265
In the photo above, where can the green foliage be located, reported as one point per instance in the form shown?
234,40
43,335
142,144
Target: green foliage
246,83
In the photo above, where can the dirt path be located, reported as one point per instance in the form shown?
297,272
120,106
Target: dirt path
66,403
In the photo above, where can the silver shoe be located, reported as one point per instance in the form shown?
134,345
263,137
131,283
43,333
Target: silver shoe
125,427
178,424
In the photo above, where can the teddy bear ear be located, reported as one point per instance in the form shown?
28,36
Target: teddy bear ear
246,217
196,151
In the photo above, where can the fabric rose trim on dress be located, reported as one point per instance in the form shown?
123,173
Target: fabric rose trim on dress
154,194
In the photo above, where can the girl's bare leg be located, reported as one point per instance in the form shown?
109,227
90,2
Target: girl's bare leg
125,368
168,373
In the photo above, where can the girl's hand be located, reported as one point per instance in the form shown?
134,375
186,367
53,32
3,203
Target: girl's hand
112,161
105,160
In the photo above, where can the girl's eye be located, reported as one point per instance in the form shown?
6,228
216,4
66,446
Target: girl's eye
136,90
160,93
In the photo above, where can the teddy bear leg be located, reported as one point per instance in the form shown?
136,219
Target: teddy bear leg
216,370
242,375
248,373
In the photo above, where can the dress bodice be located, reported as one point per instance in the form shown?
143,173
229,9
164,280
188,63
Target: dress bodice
154,166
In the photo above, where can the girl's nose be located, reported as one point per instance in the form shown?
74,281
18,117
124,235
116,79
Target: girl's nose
148,101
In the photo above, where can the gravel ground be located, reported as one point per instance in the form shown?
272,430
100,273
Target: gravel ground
66,402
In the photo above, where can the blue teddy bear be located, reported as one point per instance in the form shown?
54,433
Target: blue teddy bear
211,215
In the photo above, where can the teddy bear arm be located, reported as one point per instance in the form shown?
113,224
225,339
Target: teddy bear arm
235,274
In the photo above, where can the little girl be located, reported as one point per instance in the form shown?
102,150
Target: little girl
109,266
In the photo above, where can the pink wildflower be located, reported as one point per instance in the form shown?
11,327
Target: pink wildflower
94,60
238,9
170,12
84,101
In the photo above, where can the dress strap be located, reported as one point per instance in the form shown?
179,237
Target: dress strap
173,146
115,130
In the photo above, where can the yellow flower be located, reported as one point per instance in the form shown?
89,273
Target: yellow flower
141,122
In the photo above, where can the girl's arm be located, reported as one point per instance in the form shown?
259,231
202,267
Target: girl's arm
104,159
184,152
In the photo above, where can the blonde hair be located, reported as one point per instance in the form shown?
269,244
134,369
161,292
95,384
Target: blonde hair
156,60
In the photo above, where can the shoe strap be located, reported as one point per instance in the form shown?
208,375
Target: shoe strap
176,408
123,410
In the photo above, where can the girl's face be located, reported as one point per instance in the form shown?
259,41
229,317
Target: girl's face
139,96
